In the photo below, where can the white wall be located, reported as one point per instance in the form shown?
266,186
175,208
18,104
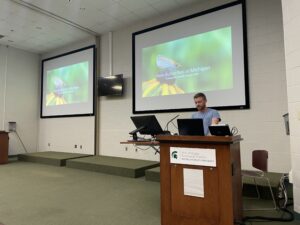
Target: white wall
62,134
291,20
19,97
261,127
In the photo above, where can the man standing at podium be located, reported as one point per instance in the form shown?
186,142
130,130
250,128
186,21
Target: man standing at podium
208,115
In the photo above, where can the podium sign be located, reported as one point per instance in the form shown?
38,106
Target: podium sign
193,156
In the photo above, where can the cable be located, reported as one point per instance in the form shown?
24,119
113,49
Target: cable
143,149
21,141
264,219
282,192
282,196
234,131
174,125
170,121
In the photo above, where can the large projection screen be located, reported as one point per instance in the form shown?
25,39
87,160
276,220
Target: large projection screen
205,52
68,84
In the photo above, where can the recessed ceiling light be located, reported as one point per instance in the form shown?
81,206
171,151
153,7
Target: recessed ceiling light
12,30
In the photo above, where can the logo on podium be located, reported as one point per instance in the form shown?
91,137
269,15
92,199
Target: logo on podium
174,155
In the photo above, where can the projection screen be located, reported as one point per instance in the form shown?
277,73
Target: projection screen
205,52
68,84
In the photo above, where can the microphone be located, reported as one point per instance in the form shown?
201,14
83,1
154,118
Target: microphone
170,121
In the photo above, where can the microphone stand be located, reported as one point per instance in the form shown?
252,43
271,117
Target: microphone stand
170,121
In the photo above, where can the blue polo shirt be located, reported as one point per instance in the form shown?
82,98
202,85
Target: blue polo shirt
207,117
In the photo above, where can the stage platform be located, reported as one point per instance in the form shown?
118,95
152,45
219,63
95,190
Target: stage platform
153,174
113,165
50,158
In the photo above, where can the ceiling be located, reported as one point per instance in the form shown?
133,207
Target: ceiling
42,25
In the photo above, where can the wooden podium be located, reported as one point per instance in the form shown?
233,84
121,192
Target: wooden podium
222,185
3,147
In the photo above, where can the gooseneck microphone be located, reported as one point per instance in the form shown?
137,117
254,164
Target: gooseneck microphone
170,121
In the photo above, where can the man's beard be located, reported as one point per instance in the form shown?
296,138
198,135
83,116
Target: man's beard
200,108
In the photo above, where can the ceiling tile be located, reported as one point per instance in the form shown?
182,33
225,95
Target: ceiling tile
26,26
132,5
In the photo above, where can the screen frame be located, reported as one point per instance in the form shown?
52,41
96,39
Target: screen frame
245,49
93,47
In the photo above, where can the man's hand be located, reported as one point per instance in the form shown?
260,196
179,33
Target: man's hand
215,121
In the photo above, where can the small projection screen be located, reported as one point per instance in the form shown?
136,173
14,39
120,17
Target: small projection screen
205,52
68,84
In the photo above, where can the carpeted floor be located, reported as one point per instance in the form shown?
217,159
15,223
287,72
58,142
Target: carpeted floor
36,194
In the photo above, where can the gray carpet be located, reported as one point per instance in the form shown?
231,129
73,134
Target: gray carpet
36,194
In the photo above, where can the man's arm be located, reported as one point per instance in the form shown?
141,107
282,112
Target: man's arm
216,117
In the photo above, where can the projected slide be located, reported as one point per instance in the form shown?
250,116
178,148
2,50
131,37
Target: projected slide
187,65
68,85
204,52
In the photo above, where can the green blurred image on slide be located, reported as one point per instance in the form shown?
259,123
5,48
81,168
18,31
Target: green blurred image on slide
68,85
202,62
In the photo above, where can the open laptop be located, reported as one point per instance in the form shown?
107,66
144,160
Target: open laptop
190,127
220,130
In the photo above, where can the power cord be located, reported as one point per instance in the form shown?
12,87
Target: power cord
142,149
20,140
282,202
282,191
234,131
285,211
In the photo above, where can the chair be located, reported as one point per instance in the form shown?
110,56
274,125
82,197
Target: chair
260,162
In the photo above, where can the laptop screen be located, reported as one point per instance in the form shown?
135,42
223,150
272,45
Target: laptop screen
190,127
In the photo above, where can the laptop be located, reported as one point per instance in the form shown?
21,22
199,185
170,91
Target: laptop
190,127
220,130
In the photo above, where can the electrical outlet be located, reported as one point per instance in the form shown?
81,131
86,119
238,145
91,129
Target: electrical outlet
49,144
126,148
12,126
75,146
80,146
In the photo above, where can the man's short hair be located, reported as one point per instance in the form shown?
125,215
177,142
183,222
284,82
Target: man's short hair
200,95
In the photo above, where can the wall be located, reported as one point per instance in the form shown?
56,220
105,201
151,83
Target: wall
62,134
261,127
291,20
19,97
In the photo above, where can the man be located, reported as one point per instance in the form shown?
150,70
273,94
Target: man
209,116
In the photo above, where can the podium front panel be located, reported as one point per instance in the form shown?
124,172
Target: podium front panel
221,185
195,207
